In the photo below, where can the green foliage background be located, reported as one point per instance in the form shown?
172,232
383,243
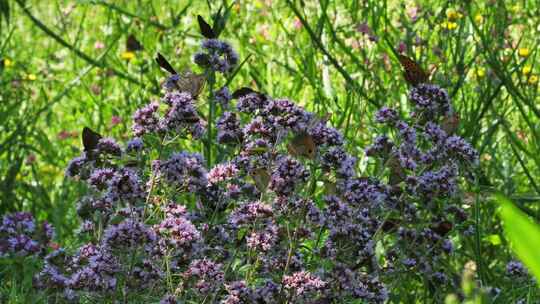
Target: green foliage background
64,67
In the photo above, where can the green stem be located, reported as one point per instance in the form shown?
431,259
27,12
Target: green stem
211,114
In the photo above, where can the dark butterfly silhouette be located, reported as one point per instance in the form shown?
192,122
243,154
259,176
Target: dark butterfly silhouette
132,44
90,140
442,228
246,91
413,73
206,29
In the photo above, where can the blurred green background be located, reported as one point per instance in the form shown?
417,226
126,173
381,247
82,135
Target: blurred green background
64,65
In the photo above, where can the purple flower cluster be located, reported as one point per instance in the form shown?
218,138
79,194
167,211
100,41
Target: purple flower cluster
184,170
276,212
216,55
22,235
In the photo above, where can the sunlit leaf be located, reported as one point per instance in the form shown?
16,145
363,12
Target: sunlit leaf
523,234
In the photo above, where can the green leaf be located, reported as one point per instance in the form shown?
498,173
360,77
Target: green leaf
523,234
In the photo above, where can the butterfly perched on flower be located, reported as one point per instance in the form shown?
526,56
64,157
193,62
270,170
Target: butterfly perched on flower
186,81
303,144
90,140
413,73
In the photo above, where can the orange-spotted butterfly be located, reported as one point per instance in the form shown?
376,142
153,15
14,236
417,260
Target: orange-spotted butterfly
413,73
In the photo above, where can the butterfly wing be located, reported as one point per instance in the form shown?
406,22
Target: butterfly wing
261,177
132,44
302,144
90,140
191,83
206,29
164,64
413,73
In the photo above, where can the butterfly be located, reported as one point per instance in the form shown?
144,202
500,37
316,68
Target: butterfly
132,44
246,91
90,140
397,174
187,81
206,29
303,143
450,123
442,228
413,73
261,177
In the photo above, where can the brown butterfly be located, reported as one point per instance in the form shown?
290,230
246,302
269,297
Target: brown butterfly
442,228
261,177
132,44
303,143
413,73
186,81
450,123
397,175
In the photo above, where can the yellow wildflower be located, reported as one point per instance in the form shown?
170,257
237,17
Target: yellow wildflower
453,15
523,52
526,70
127,55
478,19
449,25
480,72
31,77
533,80
7,63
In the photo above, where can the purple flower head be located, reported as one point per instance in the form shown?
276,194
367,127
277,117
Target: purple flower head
258,126
251,103
430,100
223,97
324,135
248,213
222,172
338,160
238,293
303,283
146,119
516,269
100,178
181,114
386,116
284,114
216,55
263,240
125,185
208,274
184,170
129,234
134,145
75,166
228,129
108,145
434,133
288,174
457,146
178,231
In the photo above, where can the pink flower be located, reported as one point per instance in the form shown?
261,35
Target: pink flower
99,45
402,47
115,120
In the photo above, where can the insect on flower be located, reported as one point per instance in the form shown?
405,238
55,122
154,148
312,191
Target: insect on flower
187,81
413,73
303,143
90,140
